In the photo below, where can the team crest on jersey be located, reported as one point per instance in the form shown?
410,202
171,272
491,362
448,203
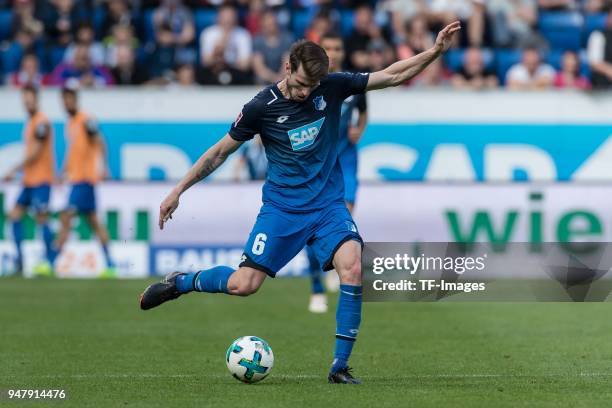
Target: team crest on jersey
306,135
319,103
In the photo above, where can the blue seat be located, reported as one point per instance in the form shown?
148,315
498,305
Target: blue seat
148,28
6,16
99,15
554,58
454,59
204,18
11,58
563,30
55,56
593,22
346,22
300,20
504,60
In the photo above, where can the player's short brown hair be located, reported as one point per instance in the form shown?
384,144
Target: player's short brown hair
311,57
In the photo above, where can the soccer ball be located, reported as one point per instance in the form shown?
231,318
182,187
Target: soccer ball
249,359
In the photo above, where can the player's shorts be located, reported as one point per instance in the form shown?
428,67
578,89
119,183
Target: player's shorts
35,197
82,198
278,236
348,163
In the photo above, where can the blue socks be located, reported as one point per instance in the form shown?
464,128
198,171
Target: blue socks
213,280
107,257
50,252
348,318
18,238
315,272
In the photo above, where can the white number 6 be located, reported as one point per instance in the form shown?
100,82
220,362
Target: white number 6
260,244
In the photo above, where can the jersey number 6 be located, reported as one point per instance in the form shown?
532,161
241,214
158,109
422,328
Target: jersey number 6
260,244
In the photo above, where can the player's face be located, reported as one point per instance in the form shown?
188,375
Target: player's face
299,85
335,51
30,101
70,103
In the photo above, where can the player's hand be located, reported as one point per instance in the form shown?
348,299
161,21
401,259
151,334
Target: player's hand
354,134
445,37
167,207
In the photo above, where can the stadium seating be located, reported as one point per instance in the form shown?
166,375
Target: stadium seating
562,30
204,18
299,22
593,22
6,16
11,58
505,59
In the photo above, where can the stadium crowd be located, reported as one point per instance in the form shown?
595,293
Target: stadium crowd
519,44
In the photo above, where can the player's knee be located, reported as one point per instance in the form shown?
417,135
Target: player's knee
350,271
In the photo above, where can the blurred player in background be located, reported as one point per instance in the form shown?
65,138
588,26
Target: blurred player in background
38,175
252,159
353,120
86,163
303,201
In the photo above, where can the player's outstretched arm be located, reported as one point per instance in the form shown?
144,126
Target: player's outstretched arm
206,164
401,71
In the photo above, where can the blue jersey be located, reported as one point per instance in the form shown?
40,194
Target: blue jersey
301,141
349,106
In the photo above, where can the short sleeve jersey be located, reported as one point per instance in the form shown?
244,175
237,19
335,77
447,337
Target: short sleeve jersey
301,141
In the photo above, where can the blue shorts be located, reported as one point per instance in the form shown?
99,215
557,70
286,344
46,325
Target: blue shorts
82,198
348,163
278,236
35,197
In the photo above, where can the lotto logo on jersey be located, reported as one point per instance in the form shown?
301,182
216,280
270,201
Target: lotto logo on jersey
305,136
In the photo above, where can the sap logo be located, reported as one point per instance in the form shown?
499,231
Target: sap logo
282,119
319,103
305,136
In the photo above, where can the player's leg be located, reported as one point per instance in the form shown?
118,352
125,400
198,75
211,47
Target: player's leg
40,204
318,299
338,245
16,216
102,234
275,239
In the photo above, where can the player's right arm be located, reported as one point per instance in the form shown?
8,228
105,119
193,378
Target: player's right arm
206,164
42,133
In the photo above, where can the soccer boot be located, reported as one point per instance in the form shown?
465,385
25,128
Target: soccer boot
158,293
342,376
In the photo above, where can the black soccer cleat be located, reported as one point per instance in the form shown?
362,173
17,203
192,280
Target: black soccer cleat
158,293
342,376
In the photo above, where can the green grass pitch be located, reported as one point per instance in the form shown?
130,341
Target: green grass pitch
90,338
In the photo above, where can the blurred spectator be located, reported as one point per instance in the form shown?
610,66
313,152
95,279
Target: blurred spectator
185,75
117,13
401,12
558,4
600,55
380,55
82,69
473,73
28,74
597,6
472,13
435,75
24,40
364,31
513,22
417,38
252,161
319,25
569,76
253,20
23,19
122,35
61,21
85,36
174,27
127,71
225,50
270,50
162,56
531,73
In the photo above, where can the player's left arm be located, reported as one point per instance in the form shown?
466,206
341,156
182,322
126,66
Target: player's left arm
404,70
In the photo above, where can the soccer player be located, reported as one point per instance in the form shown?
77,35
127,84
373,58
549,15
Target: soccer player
353,119
303,197
85,164
38,175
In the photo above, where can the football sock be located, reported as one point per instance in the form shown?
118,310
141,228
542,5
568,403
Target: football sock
348,318
50,252
18,238
213,280
315,272
107,257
